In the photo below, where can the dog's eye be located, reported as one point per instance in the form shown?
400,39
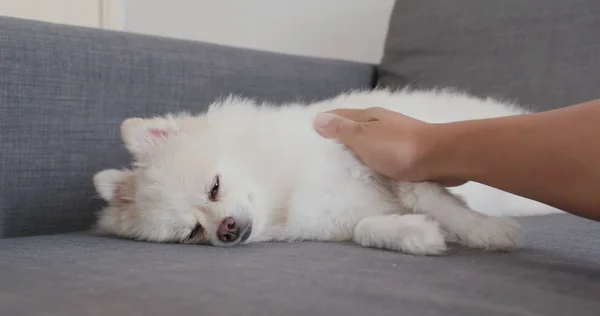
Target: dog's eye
214,191
195,232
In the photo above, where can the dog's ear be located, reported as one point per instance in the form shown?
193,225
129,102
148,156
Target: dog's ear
112,184
142,136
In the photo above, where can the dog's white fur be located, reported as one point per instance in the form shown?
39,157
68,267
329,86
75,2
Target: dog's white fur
292,184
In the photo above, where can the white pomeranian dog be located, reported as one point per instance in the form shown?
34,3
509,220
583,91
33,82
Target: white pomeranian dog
244,172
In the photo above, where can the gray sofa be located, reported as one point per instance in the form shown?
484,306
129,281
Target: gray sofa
64,91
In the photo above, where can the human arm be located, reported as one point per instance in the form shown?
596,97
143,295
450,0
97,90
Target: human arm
551,157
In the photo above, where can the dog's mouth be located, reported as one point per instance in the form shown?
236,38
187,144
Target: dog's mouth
246,233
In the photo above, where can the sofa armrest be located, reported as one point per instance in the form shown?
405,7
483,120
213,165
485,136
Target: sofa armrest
64,91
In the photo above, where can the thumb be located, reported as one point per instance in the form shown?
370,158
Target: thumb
330,125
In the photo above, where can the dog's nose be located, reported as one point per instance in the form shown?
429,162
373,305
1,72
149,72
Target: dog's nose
228,231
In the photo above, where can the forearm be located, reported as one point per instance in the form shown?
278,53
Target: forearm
552,157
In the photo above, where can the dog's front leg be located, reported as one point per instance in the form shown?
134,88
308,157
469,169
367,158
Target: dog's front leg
412,233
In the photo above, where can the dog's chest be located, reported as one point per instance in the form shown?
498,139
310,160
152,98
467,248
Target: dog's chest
317,188
326,202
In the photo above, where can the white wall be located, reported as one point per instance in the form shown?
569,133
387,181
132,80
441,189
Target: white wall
73,12
342,29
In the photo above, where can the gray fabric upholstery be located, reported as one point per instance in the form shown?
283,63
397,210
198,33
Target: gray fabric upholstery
64,91
557,272
541,53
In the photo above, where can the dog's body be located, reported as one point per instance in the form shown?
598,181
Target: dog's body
245,173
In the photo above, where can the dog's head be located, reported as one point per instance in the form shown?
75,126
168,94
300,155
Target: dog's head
185,190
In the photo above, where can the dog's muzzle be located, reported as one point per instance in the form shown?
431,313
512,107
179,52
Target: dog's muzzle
233,231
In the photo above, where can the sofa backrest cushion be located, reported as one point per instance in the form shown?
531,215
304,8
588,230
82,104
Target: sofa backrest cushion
543,54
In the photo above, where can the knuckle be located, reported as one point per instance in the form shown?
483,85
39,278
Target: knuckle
349,131
359,128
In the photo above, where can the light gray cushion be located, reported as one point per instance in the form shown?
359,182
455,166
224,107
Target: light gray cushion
541,53
64,91
557,272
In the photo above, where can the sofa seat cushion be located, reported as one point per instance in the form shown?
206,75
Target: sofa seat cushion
556,272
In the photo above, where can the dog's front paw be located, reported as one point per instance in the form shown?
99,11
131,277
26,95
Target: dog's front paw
492,234
413,234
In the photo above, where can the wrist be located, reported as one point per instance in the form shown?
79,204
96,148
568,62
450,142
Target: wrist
445,152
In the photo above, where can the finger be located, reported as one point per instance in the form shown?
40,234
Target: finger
358,115
351,133
330,125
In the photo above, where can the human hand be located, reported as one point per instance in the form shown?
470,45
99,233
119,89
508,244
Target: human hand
390,143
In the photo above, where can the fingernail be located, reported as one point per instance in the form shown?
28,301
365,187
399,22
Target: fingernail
322,124
323,120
